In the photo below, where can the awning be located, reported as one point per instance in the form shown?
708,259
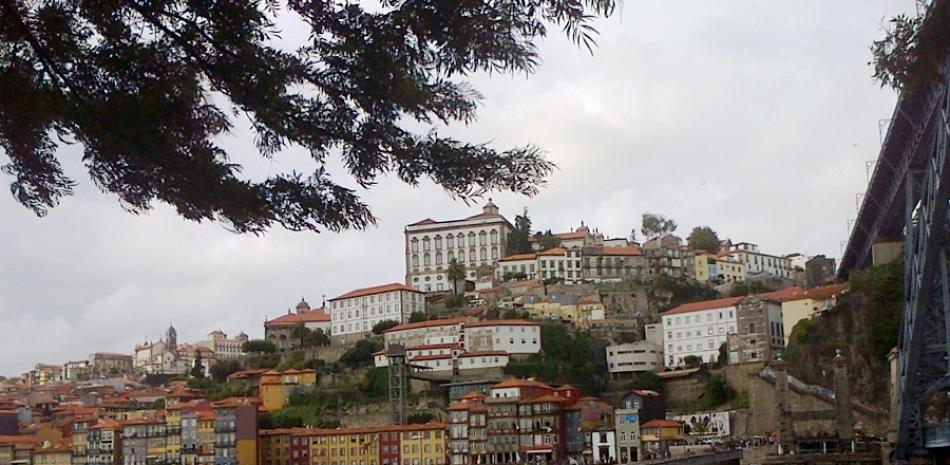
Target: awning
538,451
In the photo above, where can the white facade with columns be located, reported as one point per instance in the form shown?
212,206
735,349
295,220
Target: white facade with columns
474,241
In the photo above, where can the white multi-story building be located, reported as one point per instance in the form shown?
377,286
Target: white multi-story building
474,241
699,329
633,357
425,333
223,347
511,336
357,311
751,326
561,263
518,266
757,262
437,345
575,264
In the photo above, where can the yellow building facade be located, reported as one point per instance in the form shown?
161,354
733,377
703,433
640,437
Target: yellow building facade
205,453
274,387
173,434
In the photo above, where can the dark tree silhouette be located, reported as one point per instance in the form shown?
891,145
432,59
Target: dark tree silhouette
147,87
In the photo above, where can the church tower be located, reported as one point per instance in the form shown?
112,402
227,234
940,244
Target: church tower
171,339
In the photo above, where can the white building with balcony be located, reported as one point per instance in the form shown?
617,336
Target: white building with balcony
474,241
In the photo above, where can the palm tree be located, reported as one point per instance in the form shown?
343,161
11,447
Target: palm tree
455,273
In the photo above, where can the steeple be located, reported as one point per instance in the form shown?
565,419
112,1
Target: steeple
171,339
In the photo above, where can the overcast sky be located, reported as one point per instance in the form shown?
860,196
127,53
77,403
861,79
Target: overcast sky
753,117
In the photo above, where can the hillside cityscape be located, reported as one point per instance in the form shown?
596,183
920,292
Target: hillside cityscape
316,248
596,349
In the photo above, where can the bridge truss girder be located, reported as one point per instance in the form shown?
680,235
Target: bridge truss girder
924,357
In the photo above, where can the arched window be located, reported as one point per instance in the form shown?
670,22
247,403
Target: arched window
425,243
415,245
461,256
494,236
471,239
450,241
438,258
471,255
438,242
415,260
483,254
426,260
482,238
449,257
494,252
460,240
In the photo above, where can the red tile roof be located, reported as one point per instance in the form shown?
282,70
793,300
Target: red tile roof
317,315
422,358
790,293
427,324
519,382
376,290
825,292
553,252
478,324
704,305
520,256
447,345
484,353
661,423
631,251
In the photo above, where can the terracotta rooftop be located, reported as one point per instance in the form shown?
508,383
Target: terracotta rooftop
519,382
630,251
555,251
477,324
825,292
484,353
661,423
520,256
704,305
375,290
317,315
426,324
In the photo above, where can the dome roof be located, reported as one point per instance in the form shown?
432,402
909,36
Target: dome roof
303,306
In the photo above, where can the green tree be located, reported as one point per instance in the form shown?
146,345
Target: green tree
198,369
718,391
419,418
723,358
149,88
263,361
361,354
647,380
703,238
416,317
316,338
692,361
519,239
222,369
748,287
378,328
913,48
300,333
653,225
455,273
259,346
546,240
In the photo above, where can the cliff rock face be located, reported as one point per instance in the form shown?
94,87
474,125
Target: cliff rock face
848,327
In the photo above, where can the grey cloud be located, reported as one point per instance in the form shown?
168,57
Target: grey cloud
741,115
